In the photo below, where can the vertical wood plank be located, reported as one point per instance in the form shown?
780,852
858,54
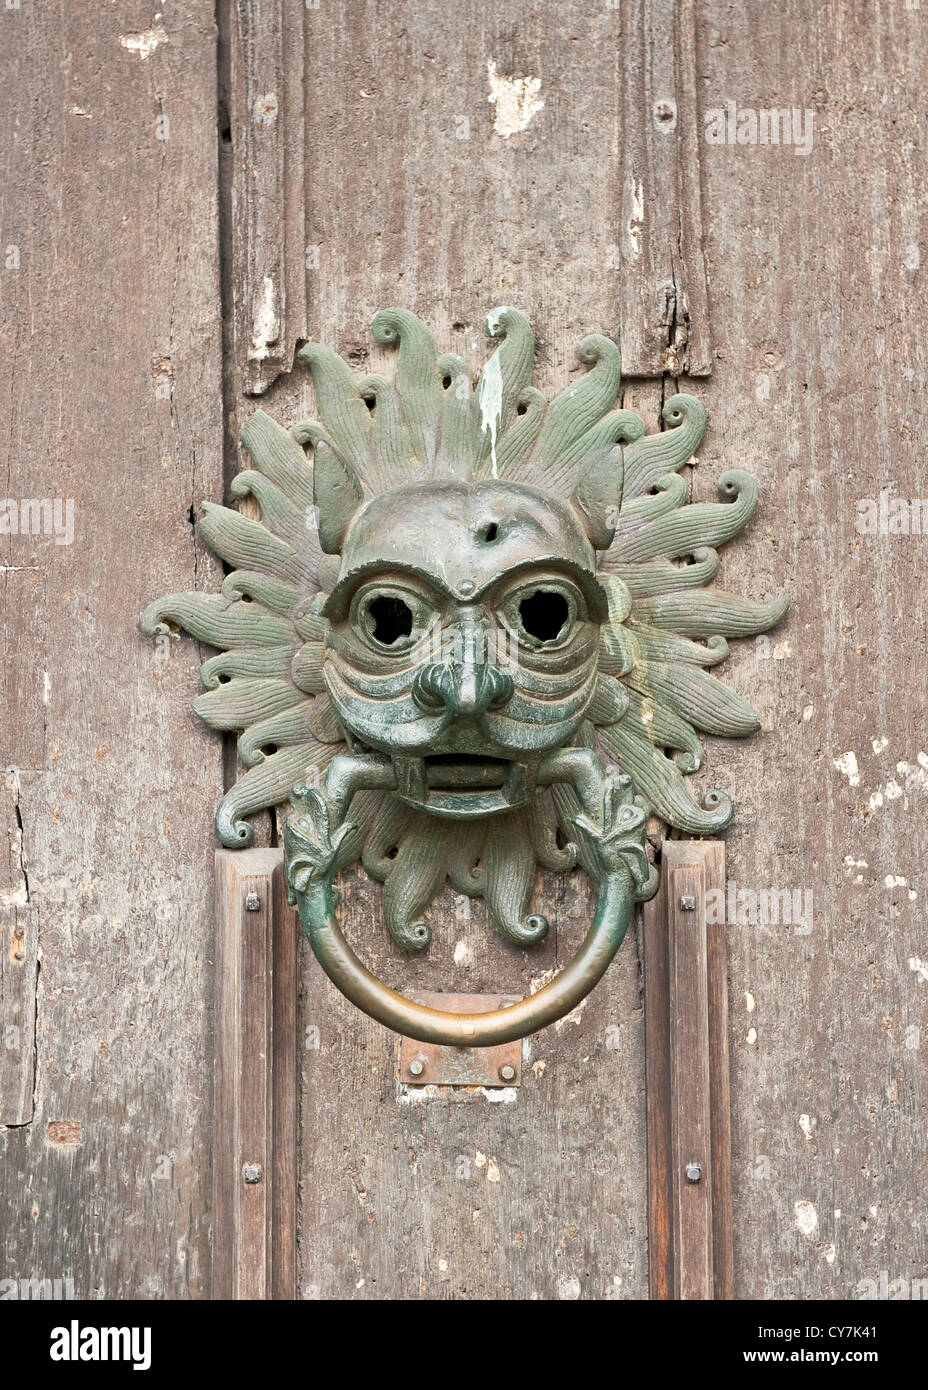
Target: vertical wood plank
418,194
685,1001
265,102
691,1126
23,670
818,256
110,373
656,973
719,1075
255,1080
285,1094
664,306
19,978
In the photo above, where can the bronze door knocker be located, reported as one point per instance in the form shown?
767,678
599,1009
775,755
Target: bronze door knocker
470,638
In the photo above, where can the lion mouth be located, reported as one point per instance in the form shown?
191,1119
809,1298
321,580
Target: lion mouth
463,784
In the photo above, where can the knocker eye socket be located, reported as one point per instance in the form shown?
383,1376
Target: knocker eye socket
391,619
543,614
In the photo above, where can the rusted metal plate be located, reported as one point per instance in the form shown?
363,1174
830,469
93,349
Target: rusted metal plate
461,1066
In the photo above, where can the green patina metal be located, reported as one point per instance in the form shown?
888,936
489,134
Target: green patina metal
471,638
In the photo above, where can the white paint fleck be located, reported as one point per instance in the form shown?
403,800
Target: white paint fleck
538,982
636,219
79,111
462,953
516,100
751,1037
879,744
46,688
442,1266
850,864
837,1213
847,763
574,1017
749,1002
913,778
894,881
500,1095
538,1068
919,967
144,44
492,1171
829,1254
479,1159
806,1217
415,1095
266,325
569,1289
808,713
806,1124
265,108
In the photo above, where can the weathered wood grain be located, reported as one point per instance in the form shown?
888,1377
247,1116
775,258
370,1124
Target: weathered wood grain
414,197
19,971
23,669
816,264
664,302
110,362
266,243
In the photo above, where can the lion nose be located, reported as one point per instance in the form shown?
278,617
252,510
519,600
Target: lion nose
461,687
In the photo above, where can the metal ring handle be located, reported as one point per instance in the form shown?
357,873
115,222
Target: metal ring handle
394,1010
616,838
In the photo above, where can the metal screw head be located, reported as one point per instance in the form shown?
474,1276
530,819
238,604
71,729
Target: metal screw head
693,1172
687,904
416,1068
252,902
252,1172
507,1072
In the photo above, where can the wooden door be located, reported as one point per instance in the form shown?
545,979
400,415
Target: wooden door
182,206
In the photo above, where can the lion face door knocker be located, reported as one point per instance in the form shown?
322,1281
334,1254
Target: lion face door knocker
470,638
